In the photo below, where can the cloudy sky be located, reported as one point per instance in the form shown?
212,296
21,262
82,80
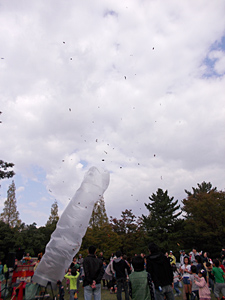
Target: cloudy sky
135,87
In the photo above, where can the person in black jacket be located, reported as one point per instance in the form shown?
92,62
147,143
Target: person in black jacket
158,265
93,271
122,270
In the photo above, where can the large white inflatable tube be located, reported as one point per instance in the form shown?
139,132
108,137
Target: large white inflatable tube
66,240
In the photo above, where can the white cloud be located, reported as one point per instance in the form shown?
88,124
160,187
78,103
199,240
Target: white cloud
67,105
20,189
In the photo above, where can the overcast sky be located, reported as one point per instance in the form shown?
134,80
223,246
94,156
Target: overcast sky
135,87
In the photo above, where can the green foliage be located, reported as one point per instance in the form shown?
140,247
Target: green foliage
54,217
162,220
10,214
4,172
205,219
202,226
7,235
129,232
99,216
202,188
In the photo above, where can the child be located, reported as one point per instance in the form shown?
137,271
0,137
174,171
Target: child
219,279
73,282
194,287
139,286
204,292
105,282
61,290
186,270
176,279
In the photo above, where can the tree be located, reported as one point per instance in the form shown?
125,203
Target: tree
4,172
7,239
99,216
10,214
162,220
205,218
129,232
54,217
100,232
202,188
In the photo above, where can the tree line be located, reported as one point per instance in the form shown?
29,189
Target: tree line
198,222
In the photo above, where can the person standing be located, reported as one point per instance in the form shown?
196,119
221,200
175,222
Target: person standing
122,271
93,273
219,275
158,265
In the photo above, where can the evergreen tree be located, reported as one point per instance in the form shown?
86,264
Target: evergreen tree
4,172
10,214
100,232
54,217
162,220
99,216
202,188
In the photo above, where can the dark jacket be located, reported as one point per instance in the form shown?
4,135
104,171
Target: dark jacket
93,270
158,265
119,266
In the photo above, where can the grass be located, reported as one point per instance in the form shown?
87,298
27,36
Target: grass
107,296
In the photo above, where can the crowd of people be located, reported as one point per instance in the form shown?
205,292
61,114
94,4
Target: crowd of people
155,276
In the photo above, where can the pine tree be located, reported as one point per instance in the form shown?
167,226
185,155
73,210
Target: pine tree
162,219
54,217
99,216
10,214
202,188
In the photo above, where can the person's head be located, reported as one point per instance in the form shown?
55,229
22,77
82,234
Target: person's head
186,260
201,273
80,255
166,254
216,263
198,259
173,266
153,248
59,282
74,259
193,269
206,254
194,250
138,263
92,250
101,253
118,253
104,263
171,252
74,271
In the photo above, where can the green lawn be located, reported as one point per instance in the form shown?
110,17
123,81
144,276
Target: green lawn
107,296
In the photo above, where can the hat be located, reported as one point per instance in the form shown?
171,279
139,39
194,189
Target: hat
171,251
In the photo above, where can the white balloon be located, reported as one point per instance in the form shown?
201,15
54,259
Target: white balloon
66,240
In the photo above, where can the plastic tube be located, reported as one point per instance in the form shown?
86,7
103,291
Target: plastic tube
66,240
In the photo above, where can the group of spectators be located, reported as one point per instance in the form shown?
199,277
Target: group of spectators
154,276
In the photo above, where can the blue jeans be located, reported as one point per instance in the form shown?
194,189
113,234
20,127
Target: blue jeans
122,283
167,291
176,285
89,292
72,293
